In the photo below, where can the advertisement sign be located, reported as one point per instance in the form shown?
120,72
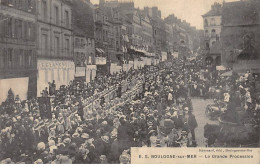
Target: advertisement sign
80,71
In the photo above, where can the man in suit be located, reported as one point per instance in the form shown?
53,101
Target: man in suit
192,123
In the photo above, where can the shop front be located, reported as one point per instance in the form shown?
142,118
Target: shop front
62,71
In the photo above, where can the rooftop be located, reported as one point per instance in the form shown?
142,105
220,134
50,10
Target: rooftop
241,13
216,10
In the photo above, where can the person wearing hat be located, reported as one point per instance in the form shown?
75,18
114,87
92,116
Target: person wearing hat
192,124
183,141
173,137
125,158
103,159
77,139
82,157
62,159
60,124
152,136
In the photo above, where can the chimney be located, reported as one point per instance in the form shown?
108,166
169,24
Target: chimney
102,2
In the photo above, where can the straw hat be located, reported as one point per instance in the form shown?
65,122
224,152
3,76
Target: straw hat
85,136
41,146
38,161
67,141
105,139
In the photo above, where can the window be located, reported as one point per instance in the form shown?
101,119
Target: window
217,37
44,44
30,31
21,58
56,46
10,58
212,22
207,45
206,23
82,43
67,47
25,29
10,28
44,9
67,18
206,33
2,58
104,34
77,42
30,58
213,33
19,29
57,15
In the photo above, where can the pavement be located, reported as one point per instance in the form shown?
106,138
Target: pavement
199,107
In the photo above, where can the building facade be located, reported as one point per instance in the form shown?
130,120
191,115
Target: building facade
101,40
54,42
212,25
83,40
212,31
18,60
240,37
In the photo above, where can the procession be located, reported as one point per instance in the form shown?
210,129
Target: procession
157,114
96,80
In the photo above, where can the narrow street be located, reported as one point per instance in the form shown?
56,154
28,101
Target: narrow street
199,106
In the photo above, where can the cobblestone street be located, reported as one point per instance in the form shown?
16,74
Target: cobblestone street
199,106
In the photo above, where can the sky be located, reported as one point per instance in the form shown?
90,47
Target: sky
189,10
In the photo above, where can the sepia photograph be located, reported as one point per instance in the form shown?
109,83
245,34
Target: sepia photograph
129,81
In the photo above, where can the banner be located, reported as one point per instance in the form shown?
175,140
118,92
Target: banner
80,71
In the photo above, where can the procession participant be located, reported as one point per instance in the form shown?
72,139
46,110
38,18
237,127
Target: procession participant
152,136
192,123
183,141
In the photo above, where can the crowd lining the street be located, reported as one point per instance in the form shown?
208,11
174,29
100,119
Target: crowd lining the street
154,111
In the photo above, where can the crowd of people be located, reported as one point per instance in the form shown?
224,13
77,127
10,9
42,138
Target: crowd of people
155,111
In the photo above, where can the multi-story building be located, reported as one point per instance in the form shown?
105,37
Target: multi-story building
169,38
147,33
159,32
54,42
83,40
212,24
137,39
212,29
18,48
240,37
101,39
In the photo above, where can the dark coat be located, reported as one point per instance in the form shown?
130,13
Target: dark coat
192,121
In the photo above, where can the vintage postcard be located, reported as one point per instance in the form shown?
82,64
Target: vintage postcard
129,81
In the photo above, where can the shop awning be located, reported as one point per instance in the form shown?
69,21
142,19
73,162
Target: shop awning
100,50
97,49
